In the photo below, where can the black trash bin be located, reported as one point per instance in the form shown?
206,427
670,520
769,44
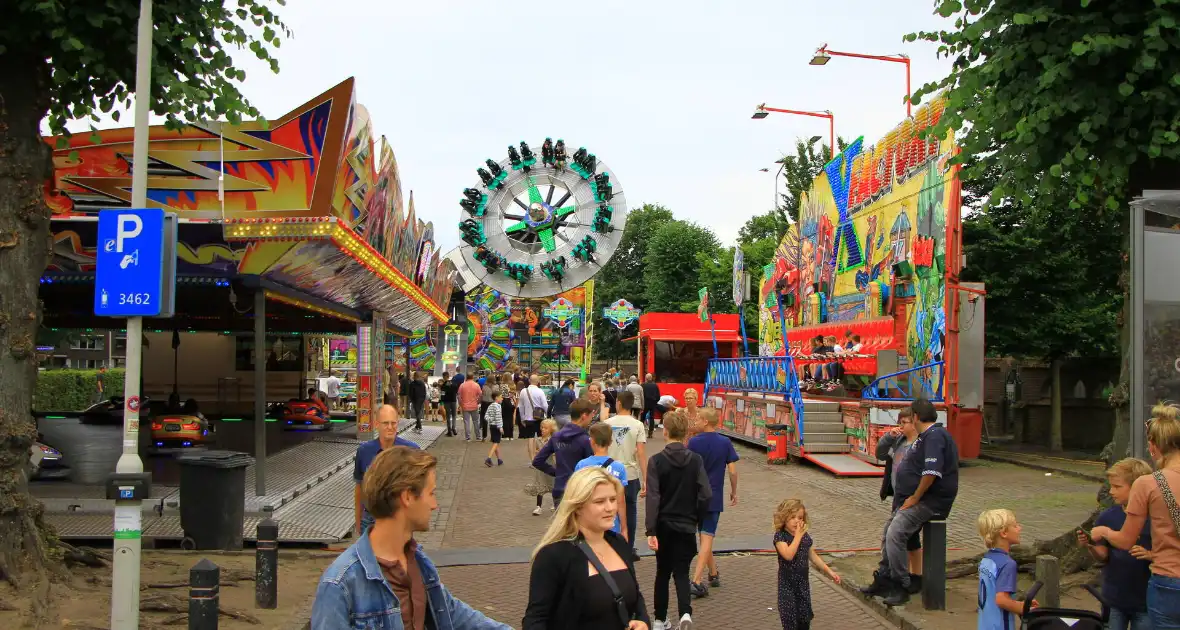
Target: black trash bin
213,498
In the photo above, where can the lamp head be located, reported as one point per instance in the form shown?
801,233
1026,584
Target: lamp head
821,56
760,112
814,139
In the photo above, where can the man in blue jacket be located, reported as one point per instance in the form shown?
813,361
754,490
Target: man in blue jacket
571,444
385,580
387,437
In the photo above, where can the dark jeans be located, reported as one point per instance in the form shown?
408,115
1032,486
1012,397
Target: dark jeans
483,418
509,412
631,492
1163,602
416,412
673,558
449,412
649,419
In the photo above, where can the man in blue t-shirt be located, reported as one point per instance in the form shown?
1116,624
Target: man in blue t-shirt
718,454
601,436
927,484
365,454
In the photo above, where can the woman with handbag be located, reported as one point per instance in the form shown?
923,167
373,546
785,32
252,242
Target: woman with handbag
1153,499
582,574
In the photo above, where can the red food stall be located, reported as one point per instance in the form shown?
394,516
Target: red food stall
676,348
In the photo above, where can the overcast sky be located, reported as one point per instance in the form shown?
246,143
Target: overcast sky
661,90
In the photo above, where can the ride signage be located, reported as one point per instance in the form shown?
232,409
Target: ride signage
135,273
621,313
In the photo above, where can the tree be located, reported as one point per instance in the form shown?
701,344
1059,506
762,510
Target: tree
67,61
672,266
622,278
799,172
1049,95
1051,276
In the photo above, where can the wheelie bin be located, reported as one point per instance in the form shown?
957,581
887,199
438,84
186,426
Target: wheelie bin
213,498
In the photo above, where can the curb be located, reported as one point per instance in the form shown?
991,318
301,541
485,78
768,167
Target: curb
897,616
1099,478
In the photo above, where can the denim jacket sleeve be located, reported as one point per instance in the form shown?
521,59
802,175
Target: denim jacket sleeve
464,617
330,610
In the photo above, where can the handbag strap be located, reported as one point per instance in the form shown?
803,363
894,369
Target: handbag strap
1169,499
620,605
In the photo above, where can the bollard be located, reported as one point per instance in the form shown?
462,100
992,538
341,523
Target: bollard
204,581
1048,573
266,563
934,565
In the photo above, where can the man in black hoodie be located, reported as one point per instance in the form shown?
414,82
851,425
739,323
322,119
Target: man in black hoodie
678,495
417,395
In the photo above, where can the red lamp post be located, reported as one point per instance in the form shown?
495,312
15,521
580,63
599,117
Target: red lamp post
762,111
823,55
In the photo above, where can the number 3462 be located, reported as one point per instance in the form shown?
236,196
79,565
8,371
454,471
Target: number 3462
134,298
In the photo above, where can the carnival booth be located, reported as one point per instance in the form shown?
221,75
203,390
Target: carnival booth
676,348
861,311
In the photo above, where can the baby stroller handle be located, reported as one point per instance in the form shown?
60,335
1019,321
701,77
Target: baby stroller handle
1030,596
1098,596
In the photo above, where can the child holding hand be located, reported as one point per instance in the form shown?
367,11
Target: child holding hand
795,550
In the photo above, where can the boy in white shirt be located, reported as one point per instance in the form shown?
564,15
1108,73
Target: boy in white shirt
495,420
629,448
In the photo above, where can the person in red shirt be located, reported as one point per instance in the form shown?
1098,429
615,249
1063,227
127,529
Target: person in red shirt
469,399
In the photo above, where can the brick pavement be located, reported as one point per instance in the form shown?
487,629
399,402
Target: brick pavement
487,508
747,598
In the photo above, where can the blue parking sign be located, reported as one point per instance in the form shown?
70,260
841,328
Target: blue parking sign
129,279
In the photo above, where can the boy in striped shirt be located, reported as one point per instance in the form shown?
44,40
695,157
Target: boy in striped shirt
495,420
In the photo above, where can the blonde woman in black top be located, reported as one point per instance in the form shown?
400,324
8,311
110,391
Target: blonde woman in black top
566,590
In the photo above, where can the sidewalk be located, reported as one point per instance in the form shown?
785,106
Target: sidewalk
1081,465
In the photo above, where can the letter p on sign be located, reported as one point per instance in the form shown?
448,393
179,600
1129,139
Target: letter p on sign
125,232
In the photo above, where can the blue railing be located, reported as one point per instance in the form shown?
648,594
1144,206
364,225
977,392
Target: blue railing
887,387
765,375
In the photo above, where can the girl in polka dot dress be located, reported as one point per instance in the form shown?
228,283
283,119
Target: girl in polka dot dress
794,547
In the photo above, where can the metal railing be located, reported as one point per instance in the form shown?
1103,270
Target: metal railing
888,387
764,375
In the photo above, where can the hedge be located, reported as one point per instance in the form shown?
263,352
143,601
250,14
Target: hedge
72,390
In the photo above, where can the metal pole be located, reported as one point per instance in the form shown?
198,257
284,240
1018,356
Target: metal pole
266,564
128,513
1138,441
742,322
713,331
259,392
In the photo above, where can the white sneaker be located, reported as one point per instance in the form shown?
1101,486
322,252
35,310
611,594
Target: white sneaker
537,512
659,625
686,622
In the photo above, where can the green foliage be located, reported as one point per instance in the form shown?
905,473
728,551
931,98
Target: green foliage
799,171
1061,96
73,390
622,278
1051,272
90,47
672,266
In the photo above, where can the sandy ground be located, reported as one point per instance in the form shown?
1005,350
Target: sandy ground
83,601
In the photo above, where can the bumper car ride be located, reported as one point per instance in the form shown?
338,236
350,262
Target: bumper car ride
303,414
178,430
47,462
110,411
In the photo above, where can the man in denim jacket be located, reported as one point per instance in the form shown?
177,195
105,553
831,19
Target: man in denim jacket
384,580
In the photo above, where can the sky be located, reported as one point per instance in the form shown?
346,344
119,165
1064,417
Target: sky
660,90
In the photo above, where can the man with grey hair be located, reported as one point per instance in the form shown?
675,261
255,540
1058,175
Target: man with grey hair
387,438
533,406
637,396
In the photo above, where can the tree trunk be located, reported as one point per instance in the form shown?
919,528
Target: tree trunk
25,165
1055,406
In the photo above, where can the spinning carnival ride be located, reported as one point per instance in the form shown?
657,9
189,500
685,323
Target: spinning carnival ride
535,228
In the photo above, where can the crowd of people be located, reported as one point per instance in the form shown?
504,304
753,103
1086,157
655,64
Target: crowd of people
597,469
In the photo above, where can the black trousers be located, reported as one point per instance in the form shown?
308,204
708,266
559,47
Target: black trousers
509,414
483,417
673,558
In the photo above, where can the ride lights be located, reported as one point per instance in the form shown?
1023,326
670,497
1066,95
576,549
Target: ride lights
280,228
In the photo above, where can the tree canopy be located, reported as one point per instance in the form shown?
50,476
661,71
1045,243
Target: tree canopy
1054,94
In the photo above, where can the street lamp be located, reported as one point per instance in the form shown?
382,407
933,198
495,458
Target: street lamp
762,111
823,55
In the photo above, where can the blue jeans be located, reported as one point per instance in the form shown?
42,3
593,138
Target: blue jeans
1163,602
631,492
1128,620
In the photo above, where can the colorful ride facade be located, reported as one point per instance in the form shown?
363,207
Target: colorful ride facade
303,212
876,253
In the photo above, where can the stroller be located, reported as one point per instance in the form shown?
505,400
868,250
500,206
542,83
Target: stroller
1063,618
